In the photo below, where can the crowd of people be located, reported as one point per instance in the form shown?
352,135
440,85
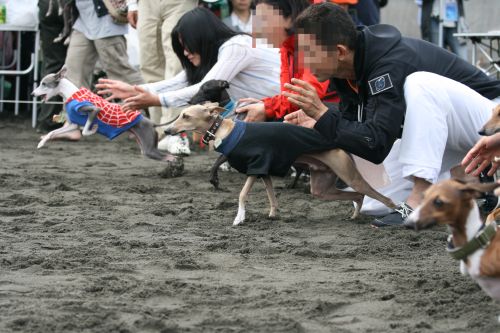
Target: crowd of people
409,104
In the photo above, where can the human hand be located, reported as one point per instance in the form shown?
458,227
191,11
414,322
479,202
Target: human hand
142,100
300,118
116,89
255,112
482,154
306,98
132,18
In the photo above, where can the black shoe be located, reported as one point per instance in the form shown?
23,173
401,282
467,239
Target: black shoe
340,184
396,218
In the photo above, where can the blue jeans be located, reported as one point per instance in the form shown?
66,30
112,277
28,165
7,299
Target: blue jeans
449,41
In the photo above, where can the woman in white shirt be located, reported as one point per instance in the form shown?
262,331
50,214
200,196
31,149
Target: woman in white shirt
207,49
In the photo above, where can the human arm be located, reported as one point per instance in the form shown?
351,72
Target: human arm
233,58
132,13
382,117
482,154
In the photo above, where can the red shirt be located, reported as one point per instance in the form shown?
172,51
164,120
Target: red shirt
278,106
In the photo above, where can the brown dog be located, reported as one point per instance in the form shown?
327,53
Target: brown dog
492,126
474,243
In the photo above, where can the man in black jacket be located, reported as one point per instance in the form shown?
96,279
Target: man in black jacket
383,78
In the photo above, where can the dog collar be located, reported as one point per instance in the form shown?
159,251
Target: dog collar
210,133
480,241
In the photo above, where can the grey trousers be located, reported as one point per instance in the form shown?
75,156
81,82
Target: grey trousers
53,53
111,52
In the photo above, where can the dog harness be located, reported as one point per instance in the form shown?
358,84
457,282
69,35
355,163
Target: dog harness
261,149
111,120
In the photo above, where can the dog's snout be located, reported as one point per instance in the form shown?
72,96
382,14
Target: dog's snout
482,132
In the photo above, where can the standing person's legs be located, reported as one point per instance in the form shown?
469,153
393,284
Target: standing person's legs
113,57
454,43
171,12
80,59
54,55
150,47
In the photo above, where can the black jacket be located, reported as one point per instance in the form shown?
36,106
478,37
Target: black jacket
371,120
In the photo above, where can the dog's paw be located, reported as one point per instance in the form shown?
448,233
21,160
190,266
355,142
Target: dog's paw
173,169
240,217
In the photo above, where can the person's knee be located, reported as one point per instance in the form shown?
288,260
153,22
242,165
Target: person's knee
418,80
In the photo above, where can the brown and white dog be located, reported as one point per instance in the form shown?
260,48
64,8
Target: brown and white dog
325,166
492,126
474,243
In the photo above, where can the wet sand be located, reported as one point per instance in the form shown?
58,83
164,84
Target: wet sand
92,239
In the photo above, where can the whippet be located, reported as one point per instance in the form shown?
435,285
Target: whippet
95,114
271,151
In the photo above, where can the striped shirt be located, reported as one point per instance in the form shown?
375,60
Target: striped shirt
251,72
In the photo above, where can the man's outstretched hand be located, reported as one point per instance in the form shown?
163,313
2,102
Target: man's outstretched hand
482,154
300,118
305,98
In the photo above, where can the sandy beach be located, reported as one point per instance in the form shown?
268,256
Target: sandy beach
93,239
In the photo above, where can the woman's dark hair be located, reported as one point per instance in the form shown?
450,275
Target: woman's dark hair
331,25
200,32
288,8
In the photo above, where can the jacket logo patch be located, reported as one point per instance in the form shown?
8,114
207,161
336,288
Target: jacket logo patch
379,84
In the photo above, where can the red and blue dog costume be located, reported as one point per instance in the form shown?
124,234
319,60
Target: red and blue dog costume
111,120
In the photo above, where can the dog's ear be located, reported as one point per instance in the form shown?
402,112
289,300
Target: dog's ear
61,73
208,105
214,109
475,190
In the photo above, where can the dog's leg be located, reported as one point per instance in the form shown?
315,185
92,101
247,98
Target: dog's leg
68,127
49,10
92,113
323,187
214,171
271,195
240,217
147,138
343,165
60,4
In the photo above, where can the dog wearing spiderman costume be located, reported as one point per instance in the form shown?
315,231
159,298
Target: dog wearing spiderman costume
97,115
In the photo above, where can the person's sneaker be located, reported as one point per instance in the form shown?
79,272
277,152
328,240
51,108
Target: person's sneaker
175,145
396,218
225,167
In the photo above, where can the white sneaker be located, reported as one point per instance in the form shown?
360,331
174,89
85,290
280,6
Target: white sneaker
225,167
175,145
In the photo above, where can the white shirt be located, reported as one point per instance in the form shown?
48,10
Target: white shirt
244,27
94,27
251,72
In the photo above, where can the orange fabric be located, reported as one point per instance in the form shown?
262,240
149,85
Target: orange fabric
278,106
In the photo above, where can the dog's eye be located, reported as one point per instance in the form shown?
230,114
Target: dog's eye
438,203
185,116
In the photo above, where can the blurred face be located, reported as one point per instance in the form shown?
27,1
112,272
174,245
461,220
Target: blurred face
241,5
323,62
194,58
269,23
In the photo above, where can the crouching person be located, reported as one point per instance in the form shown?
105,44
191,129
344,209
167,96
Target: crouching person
391,87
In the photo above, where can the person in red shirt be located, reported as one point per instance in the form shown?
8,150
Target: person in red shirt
274,21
